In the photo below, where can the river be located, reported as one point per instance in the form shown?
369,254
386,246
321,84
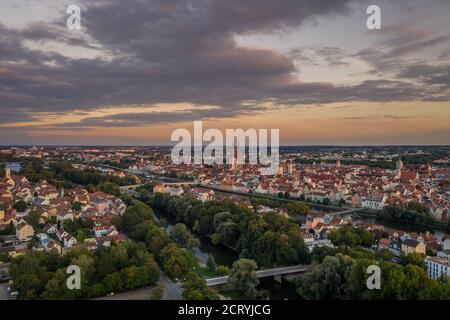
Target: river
225,256
402,226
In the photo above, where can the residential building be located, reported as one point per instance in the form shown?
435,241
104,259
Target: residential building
413,246
437,267
24,231
395,247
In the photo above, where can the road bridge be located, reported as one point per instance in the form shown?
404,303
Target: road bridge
211,282
345,212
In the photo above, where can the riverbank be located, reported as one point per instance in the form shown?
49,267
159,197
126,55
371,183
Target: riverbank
371,216
226,256
313,205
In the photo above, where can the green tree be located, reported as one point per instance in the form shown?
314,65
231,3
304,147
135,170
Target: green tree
227,232
215,239
109,187
222,270
211,263
243,278
196,227
87,265
81,236
384,254
114,282
56,288
76,206
195,288
416,259
326,281
298,209
158,292
33,219
175,261
222,217
350,236
184,237
20,206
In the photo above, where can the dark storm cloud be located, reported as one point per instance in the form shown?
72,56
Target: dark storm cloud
429,74
10,116
156,117
397,58
41,31
175,51
312,55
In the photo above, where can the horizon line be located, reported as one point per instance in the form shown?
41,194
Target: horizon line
168,146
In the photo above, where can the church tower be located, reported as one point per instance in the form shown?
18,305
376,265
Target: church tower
290,166
399,165
234,160
8,173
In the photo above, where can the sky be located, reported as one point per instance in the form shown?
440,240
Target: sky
139,69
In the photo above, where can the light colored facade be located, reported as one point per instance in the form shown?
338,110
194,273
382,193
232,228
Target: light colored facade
376,203
24,231
437,267
412,246
446,243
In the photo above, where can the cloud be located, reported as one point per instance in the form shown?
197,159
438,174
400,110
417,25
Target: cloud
314,55
137,119
171,51
400,58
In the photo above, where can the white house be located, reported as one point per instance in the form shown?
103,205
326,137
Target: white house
69,241
105,230
374,202
446,242
437,267
61,216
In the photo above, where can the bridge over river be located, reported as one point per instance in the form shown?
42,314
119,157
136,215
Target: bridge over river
210,282
345,212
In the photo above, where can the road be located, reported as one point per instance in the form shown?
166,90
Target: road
172,291
139,294
4,294
261,274
352,210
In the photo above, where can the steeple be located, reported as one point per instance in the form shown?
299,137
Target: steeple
8,173
399,164
234,159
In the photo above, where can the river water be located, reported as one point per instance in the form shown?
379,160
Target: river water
286,290
225,256
406,227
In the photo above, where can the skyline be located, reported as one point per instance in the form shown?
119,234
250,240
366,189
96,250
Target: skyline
137,71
